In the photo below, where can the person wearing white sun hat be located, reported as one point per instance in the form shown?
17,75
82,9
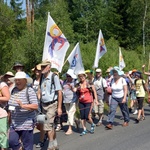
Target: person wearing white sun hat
85,93
119,97
70,98
100,86
22,105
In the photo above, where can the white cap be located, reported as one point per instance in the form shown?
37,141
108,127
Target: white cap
98,70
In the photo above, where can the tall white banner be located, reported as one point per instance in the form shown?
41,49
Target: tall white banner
121,60
75,60
100,50
55,46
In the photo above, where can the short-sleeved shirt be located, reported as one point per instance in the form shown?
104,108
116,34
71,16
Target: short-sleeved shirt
35,85
100,84
68,95
49,90
139,88
3,112
117,89
23,119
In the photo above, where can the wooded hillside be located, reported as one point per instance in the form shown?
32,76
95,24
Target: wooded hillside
124,23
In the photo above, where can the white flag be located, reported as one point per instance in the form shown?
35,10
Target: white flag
100,50
75,60
121,60
55,46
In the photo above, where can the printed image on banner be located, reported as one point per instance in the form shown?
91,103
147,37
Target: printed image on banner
75,60
100,50
121,60
55,46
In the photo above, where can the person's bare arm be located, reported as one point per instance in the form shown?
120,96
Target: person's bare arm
143,70
59,109
5,94
125,93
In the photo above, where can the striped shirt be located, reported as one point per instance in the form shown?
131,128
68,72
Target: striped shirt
23,119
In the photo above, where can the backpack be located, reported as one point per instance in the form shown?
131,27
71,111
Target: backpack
52,83
27,93
145,89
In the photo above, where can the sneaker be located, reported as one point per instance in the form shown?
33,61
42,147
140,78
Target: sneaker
40,145
58,127
135,112
83,133
92,128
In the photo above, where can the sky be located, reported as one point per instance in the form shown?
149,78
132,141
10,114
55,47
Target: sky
23,5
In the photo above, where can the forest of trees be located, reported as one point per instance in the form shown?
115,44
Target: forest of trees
124,23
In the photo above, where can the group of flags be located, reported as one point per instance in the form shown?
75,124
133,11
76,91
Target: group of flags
56,46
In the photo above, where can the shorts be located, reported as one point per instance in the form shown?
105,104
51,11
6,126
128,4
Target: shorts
99,108
140,102
50,112
3,132
133,97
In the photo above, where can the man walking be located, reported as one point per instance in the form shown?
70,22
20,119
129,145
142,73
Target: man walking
100,86
51,100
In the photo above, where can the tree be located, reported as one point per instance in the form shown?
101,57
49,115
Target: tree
86,18
7,26
16,6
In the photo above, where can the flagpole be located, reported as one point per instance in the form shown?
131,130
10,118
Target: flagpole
45,34
119,55
64,62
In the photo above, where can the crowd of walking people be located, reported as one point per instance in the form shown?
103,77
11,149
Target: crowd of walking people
27,103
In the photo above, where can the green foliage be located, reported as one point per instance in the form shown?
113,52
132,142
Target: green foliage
16,6
121,23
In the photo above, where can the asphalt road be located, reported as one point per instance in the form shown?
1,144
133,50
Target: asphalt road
133,137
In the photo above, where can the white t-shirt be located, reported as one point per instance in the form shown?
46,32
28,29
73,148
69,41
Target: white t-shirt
117,89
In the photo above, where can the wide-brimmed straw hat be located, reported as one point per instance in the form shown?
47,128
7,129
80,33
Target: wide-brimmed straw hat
71,73
45,63
9,73
38,67
109,69
21,75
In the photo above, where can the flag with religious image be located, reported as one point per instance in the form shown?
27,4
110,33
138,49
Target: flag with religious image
100,50
121,60
75,60
55,45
